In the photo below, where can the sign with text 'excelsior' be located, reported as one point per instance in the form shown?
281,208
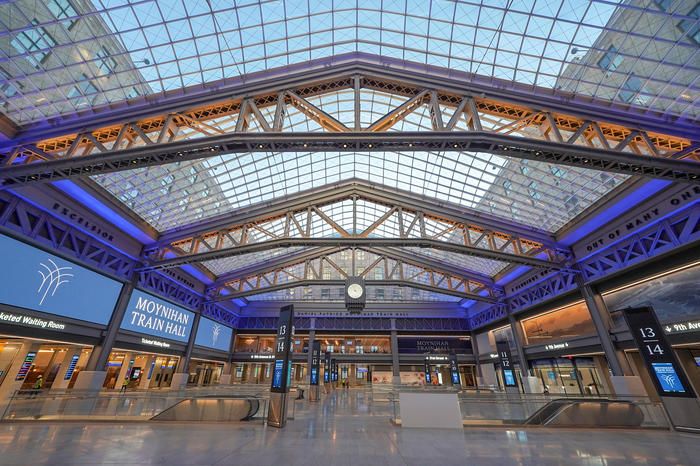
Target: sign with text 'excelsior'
214,335
34,279
153,316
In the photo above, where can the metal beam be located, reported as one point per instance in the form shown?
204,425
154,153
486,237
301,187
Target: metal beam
330,283
498,144
353,242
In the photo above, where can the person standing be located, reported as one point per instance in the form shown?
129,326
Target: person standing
38,385
125,385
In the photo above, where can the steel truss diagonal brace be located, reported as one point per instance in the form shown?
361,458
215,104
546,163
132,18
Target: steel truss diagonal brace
499,144
324,269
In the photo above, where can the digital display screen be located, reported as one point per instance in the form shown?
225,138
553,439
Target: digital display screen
697,361
213,335
34,279
26,365
510,378
135,373
71,367
455,378
277,374
314,376
667,377
150,315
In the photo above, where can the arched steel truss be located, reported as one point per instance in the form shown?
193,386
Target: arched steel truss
477,123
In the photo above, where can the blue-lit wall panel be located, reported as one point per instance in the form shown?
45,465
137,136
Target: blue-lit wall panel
34,279
153,316
213,335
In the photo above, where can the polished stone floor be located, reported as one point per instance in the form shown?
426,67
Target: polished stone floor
344,429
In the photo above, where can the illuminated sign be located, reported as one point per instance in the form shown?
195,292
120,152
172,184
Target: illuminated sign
153,316
682,327
556,346
327,368
71,367
283,348
29,321
661,362
268,357
437,358
161,344
213,335
315,362
454,370
506,363
26,365
34,279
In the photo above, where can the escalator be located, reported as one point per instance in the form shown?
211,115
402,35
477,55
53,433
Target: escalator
586,412
214,408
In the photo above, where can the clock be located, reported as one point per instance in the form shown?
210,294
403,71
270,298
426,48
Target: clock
355,295
355,290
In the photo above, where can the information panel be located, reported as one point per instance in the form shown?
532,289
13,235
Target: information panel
282,369
315,362
454,370
327,368
214,335
334,370
34,279
71,367
153,316
507,369
666,373
426,369
26,365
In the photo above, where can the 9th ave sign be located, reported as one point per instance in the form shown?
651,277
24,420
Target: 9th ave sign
682,327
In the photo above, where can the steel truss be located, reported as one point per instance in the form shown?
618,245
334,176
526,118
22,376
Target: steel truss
477,124
449,324
388,223
322,269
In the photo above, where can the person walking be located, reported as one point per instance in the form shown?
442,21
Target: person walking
125,385
38,384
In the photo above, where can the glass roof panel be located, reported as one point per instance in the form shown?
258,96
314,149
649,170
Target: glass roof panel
530,193
56,61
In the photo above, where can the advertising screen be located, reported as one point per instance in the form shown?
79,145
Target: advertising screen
277,376
510,379
34,279
153,316
213,335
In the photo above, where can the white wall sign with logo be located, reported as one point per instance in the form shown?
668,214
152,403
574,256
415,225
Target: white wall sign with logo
152,342
34,279
153,316
211,334
556,346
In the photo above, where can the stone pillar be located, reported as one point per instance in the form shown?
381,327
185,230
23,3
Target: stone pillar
309,356
145,379
93,376
622,378
60,382
123,371
395,366
181,374
228,366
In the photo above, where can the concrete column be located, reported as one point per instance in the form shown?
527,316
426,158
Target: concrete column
228,366
183,366
93,376
145,379
395,366
123,371
59,382
519,339
309,356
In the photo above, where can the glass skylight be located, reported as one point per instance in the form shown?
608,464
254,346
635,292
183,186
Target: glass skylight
165,45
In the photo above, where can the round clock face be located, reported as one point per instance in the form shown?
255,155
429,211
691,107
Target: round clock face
355,291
